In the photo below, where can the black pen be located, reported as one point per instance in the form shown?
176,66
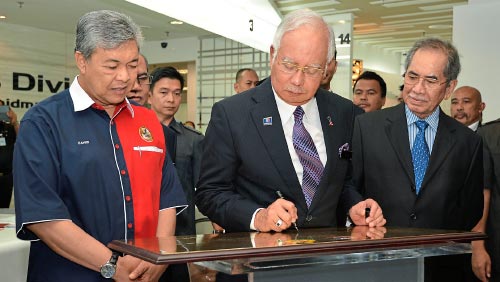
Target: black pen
367,212
281,197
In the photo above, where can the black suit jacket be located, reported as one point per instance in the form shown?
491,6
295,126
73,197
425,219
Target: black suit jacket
245,162
490,133
451,196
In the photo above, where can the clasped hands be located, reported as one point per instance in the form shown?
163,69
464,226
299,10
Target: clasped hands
281,214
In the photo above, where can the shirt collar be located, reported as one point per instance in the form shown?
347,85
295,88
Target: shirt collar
432,119
474,126
82,101
286,110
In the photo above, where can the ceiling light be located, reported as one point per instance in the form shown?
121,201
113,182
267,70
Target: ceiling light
341,22
440,26
3,17
176,22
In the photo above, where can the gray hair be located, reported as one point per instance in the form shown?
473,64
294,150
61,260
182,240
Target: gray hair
452,68
105,29
297,18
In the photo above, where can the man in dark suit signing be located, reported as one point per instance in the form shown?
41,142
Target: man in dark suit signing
282,136
423,167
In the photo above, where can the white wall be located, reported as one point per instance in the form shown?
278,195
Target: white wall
475,30
44,57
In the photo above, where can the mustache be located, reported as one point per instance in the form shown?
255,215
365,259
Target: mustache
295,89
417,97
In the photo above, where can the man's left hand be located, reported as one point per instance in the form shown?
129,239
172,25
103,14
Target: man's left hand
375,218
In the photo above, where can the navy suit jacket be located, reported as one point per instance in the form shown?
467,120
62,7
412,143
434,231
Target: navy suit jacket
245,162
451,196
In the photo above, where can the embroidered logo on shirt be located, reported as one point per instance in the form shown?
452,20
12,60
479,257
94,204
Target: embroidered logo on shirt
145,134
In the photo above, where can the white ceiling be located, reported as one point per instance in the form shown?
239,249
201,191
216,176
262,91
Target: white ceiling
392,25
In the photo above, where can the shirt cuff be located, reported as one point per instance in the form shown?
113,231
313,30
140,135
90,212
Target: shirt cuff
252,222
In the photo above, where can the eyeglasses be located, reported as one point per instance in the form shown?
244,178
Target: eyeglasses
144,79
289,67
428,82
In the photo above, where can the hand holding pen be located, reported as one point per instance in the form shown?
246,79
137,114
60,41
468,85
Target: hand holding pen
280,195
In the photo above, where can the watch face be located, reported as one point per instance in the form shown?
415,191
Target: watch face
108,270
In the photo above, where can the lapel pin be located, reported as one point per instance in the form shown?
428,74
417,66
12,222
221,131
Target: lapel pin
330,122
267,121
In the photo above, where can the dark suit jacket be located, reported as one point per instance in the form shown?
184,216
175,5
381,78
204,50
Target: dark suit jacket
245,162
451,196
491,138
187,163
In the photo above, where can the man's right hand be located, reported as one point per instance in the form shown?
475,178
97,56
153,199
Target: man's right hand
277,217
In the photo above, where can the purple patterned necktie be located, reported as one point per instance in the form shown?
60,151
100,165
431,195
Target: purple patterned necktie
308,156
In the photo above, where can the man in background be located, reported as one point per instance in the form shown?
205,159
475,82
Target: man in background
165,99
424,168
8,131
140,90
246,78
486,265
330,71
80,173
467,106
369,91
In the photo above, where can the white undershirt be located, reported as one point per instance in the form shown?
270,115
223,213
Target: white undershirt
311,122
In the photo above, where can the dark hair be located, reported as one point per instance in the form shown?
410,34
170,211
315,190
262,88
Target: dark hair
166,72
452,68
370,75
239,73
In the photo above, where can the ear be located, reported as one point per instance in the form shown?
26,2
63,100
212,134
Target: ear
271,53
481,107
334,70
81,62
450,88
235,86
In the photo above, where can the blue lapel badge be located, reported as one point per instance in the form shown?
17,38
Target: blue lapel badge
267,121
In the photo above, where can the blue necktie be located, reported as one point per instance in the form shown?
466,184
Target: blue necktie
308,156
420,154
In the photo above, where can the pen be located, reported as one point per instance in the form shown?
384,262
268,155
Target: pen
281,197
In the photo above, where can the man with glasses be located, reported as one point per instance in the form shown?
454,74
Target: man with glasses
140,90
278,156
423,167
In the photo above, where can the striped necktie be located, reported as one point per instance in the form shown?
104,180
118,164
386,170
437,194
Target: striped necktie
308,156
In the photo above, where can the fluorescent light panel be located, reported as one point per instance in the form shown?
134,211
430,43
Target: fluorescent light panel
410,3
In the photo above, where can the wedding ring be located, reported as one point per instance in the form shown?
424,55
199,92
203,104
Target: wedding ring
279,222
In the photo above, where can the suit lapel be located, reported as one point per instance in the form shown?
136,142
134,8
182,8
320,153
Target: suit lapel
443,143
396,129
333,131
273,138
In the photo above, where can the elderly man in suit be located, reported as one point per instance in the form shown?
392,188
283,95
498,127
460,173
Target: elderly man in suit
423,167
271,157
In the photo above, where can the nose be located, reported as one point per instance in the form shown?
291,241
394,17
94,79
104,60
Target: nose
298,77
123,74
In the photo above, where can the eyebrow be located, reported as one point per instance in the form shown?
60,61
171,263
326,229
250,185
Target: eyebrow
426,76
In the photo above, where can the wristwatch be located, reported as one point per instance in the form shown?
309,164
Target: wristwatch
109,268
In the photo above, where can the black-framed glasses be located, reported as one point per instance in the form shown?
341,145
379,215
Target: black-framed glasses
289,67
428,82
144,79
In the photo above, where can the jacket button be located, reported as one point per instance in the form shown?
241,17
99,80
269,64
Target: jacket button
413,216
413,189
309,218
